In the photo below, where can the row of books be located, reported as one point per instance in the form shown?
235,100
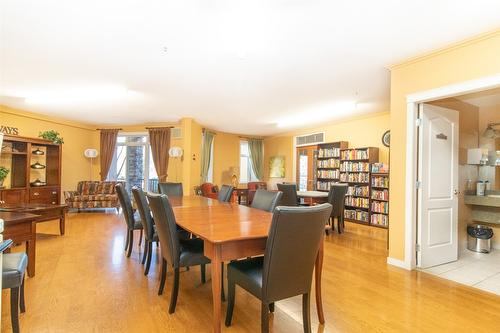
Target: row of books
359,191
380,168
359,215
330,174
330,163
324,186
355,177
355,166
354,154
380,181
329,152
379,219
380,195
357,202
380,207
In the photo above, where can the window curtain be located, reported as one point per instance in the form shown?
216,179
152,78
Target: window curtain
206,145
256,148
108,145
159,138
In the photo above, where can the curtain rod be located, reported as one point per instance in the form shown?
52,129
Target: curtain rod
160,127
203,130
107,129
249,138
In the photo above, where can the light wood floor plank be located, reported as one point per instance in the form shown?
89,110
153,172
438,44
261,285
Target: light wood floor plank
84,283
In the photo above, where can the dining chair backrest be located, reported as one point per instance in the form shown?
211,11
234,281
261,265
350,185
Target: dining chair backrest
171,189
291,250
126,204
225,193
336,197
266,200
166,227
143,207
289,197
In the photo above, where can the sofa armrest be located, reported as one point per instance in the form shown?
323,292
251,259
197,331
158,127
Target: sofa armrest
69,195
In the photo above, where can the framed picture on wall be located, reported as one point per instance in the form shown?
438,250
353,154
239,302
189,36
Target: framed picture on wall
277,167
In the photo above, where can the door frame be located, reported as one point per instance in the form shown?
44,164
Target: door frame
412,102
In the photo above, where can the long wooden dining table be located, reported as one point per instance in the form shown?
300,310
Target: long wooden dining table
231,231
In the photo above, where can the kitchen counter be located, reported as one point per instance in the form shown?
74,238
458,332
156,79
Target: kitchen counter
485,209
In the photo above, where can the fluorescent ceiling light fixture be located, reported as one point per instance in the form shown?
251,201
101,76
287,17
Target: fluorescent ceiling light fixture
61,95
319,113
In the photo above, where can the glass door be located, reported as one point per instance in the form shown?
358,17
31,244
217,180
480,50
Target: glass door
306,168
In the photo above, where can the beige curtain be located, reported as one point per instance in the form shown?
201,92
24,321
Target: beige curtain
108,144
206,146
256,148
159,139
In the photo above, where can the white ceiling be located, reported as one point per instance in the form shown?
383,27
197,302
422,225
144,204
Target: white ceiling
483,99
236,66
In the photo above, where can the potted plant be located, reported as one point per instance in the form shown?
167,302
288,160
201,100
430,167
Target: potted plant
3,174
52,136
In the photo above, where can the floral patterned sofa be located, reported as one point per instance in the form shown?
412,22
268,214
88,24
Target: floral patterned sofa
93,194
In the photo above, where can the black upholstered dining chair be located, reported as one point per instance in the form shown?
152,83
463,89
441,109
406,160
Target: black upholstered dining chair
266,200
289,195
13,269
171,189
132,220
175,253
336,197
296,232
150,234
225,193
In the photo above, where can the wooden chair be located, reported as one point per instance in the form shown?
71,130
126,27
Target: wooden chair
296,232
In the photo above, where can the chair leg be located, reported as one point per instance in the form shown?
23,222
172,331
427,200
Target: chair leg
145,254
140,239
163,276
131,244
222,294
22,305
264,318
175,291
271,307
231,286
339,225
150,254
203,274
306,315
128,240
14,309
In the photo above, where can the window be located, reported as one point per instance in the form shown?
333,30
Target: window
133,162
246,171
210,175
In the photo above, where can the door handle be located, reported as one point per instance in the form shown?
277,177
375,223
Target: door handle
456,192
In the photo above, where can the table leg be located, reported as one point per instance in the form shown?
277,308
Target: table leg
317,283
31,251
215,267
62,223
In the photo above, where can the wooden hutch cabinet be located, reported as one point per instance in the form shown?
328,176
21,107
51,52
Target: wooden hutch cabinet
34,171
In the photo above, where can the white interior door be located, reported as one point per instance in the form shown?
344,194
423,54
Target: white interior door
438,174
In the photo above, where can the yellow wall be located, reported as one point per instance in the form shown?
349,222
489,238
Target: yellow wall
470,60
365,131
77,138
226,157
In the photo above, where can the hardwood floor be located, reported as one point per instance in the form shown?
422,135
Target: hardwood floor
84,283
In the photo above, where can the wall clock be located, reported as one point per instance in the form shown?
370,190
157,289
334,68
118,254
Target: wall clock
386,138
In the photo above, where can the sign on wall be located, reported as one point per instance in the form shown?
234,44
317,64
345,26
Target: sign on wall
9,130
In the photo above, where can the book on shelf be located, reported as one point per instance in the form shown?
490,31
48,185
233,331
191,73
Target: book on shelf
355,166
359,191
358,215
354,154
328,174
355,177
380,194
329,163
380,168
357,202
380,207
328,152
325,185
379,219
380,181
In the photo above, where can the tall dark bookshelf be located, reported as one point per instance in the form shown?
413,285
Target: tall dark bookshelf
379,196
355,170
328,164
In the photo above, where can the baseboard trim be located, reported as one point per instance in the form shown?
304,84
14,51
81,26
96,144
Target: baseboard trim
399,263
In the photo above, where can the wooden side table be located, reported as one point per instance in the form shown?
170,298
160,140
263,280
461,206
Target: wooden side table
238,193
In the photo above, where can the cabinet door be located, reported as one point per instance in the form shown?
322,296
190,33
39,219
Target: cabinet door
14,196
306,168
43,195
